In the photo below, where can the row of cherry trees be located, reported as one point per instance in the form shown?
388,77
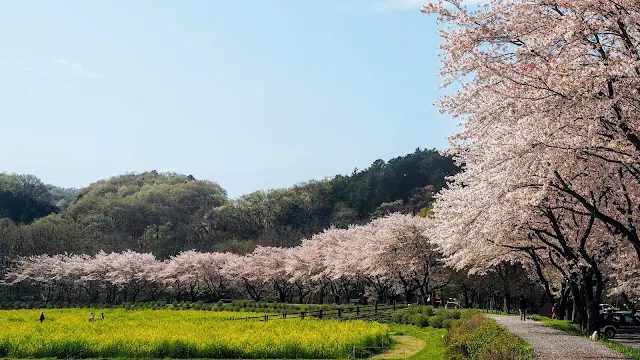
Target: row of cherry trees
387,257
548,93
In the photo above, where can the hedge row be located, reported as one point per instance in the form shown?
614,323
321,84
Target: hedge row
478,337
424,316
235,305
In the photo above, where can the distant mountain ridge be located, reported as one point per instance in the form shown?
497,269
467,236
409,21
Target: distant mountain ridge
165,213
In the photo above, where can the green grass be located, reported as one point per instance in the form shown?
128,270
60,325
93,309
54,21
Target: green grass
67,333
623,349
433,348
563,325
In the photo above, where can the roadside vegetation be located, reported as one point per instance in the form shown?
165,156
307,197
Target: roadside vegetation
563,325
423,316
623,349
475,336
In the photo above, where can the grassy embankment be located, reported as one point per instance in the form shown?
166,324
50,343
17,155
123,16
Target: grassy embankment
455,334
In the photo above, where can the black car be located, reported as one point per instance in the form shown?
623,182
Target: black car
619,322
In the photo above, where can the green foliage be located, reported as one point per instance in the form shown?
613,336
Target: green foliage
425,212
63,197
477,337
235,305
236,246
423,316
24,198
168,213
621,348
284,216
388,208
147,212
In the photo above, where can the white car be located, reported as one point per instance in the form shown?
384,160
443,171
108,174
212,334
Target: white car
452,305
606,308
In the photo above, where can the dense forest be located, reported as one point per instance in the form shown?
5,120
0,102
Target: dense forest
165,213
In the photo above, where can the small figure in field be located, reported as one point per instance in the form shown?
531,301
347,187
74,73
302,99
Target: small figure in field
523,308
554,311
41,317
91,317
101,316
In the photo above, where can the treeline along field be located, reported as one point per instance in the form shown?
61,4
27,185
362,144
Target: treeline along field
186,334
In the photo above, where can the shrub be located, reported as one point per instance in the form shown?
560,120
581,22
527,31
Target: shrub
447,323
398,318
436,321
420,320
478,337
455,314
428,310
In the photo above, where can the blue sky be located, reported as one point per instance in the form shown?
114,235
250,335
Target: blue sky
253,95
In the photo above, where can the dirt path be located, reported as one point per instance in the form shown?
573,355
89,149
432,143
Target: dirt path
405,346
551,344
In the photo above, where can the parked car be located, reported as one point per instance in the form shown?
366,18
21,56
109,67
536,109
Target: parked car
452,305
619,322
606,308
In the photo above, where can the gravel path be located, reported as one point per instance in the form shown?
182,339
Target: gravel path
551,344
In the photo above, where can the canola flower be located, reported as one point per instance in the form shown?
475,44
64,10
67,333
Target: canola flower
178,334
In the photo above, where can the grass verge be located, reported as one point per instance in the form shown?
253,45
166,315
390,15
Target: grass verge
563,325
433,346
623,349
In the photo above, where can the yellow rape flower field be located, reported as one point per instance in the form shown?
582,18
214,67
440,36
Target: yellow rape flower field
68,333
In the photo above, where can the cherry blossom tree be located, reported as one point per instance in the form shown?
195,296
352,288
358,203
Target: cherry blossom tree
37,270
388,256
242,271
547,97
547,91
133,272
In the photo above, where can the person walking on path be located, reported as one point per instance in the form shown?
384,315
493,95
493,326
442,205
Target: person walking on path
41,317
554,311
522,304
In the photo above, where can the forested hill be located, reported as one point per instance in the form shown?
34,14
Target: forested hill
165,212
